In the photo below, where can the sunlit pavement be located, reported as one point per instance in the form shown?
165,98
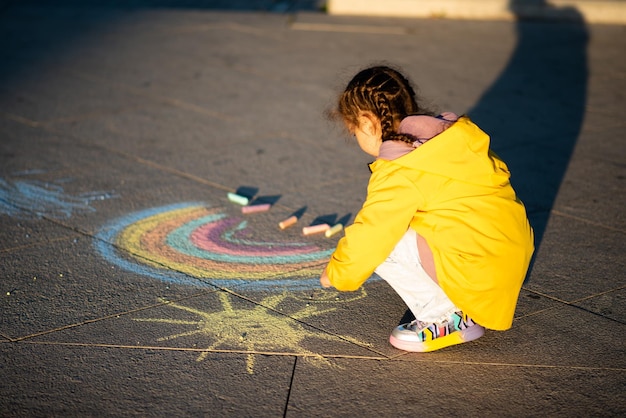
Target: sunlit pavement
133,286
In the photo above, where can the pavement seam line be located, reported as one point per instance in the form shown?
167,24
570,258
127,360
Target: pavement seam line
7,338
293,374
103,318
159,99
606,292
232,26
571,304
330,356
545,295
52,130
330,27
205,350
35,244
587,221
20,119
79,117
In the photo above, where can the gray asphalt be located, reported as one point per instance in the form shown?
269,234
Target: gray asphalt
132,285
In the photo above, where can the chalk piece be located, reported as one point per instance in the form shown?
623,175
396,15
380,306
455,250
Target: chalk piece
256,208
234,197
332,231
288,222
315,229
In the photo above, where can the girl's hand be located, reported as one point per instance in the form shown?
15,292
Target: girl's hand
324,280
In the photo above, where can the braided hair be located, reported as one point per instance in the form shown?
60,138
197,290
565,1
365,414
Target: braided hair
384,92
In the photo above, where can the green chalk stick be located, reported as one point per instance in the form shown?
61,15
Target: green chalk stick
234,197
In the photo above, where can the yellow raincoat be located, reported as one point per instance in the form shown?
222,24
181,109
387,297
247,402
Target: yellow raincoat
455,192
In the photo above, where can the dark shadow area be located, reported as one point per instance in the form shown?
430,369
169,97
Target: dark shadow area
331,219
272,200
407,317
534,110
272,6
250,193
344,219
299,213
247,191
26,45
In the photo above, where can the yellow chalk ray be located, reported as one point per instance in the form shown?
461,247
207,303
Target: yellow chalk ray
256,329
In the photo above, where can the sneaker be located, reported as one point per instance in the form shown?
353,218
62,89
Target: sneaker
421,337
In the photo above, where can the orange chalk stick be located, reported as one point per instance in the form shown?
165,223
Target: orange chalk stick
256,208
332,231
315,229
288,222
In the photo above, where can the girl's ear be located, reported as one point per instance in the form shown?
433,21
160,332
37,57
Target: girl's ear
369,123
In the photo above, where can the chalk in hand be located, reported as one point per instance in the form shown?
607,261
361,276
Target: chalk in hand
315,229
256,208
288,222
332,231
234,197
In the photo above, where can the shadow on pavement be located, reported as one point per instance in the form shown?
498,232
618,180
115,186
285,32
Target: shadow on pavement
279,6
534,110
75,20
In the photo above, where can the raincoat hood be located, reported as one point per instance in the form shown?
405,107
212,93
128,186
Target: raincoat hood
453,153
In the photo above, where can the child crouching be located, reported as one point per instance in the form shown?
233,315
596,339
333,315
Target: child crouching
441,223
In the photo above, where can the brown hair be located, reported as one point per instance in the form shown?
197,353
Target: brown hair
384,92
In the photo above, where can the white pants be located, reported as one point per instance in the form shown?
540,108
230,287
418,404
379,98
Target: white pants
404,272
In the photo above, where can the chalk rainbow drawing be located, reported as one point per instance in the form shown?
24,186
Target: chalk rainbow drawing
193,243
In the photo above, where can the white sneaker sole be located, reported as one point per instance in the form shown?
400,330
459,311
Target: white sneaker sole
465,335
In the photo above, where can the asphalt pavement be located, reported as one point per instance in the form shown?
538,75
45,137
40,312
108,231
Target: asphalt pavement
133,286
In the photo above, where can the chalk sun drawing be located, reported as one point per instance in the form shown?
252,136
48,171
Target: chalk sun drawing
192,243
252,331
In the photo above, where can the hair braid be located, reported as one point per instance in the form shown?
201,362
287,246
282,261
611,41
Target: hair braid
384,113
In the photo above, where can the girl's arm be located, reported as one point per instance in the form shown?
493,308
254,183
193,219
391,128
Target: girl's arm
391,203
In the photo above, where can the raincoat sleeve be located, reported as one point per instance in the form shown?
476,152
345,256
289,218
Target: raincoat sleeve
392,200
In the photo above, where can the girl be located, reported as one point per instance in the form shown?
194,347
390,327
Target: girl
441,222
